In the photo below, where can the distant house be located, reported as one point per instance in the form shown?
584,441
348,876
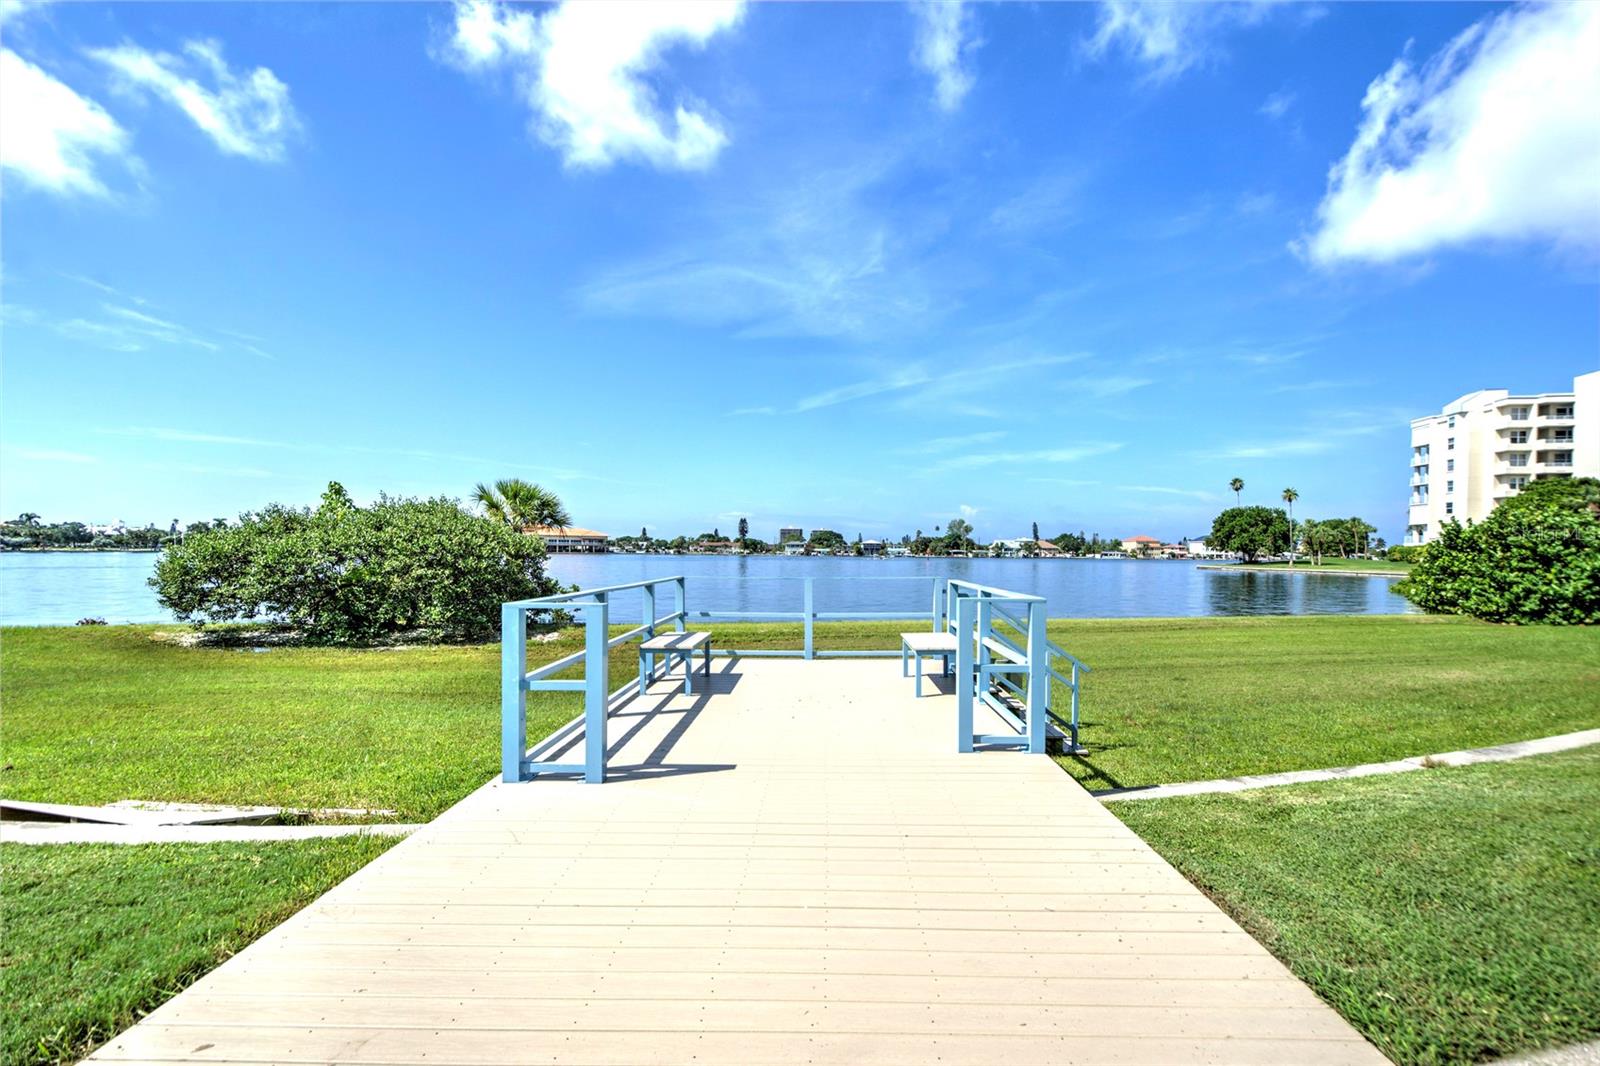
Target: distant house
794,547
1198,550
872,547
897,551
712,547
1134,545
788,533
1046,548
569,539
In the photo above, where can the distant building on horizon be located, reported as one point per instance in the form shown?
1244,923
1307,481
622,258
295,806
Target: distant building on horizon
1132,545
1486,446
570,539
788,533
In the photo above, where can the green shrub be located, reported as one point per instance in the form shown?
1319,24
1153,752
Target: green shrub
347,574
1404,553
1537,561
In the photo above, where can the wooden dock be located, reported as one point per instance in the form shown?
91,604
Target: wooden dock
792,866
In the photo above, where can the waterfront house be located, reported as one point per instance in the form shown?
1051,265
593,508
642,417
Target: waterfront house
570,539
1141,543
1047,548
872,547
794,547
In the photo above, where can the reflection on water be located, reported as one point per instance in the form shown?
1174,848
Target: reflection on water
58,588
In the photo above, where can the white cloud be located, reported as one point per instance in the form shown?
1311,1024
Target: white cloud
248,115
581,68
943,42
1045,204
1042,456
1102,388
946,444
127,330
827,254
1496,138
1163,490
1168,36
1278,104
49,135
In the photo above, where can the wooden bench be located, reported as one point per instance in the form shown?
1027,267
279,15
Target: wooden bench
682,645
926,645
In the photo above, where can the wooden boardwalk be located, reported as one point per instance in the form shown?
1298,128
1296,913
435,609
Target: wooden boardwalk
793,866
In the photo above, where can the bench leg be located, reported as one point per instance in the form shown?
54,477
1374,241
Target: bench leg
688,673
919,677
644,674
903,652
708,660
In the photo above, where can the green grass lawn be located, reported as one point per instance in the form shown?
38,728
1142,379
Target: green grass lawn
1333,563
98,714
1452,915
97,935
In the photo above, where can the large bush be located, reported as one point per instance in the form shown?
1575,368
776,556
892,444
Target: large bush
1535,558
349,574
1405,553
1250,532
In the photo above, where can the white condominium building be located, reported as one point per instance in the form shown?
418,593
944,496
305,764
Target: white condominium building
1485,446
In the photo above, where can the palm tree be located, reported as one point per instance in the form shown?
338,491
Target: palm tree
1237,485
1289,496
28,518
521,504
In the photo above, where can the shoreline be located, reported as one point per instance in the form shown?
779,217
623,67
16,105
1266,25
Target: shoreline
77,550
1280,568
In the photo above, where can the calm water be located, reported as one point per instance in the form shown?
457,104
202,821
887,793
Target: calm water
58,588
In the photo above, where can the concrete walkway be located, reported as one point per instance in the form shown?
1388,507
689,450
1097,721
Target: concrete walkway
1521,749
795,866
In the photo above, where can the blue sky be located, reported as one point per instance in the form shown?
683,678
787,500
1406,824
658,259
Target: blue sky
864,267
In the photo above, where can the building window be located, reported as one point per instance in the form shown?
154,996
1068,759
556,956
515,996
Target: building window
1449,486
1518,483
1517,459
1519,436
1452,421
1449,508
1519,414
1450,444
1561,411
1449,465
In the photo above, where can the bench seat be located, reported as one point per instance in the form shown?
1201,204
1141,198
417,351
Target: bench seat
675,642
683,645
926,644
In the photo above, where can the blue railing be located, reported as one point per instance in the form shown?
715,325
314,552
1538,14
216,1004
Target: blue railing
991,659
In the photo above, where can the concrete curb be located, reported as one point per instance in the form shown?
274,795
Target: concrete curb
1499,753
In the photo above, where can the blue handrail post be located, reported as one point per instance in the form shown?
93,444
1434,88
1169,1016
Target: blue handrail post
596,690
938,619
680,600
513,693
965,685
1074,705
985,627
1038,679
811,617
647,660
